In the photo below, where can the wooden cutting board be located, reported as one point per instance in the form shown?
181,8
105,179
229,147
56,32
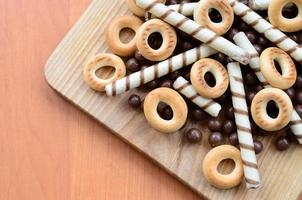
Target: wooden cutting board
281,172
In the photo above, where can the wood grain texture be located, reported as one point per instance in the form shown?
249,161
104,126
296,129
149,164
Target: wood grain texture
281,174
49,149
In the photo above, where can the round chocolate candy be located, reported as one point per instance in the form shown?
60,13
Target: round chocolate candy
134,101
216,139
193,135
233,139
133,65
282,143
258,146
215,125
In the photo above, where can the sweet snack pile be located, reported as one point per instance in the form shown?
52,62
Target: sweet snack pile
233,65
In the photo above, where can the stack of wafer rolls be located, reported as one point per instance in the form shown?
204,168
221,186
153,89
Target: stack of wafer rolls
184,87
243,124
242,41
269,31
195,30
158,70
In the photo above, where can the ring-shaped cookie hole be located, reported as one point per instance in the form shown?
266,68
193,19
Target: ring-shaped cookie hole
278,68
166,46
201,70
290,11
162,96
155,40
214,15
126,35
103,69
272,109
164,111
210,79
226,166
105,72
217,15
286,21
260,109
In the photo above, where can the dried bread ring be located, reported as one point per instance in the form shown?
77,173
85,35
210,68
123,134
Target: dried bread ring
279,21
201,15
197,75
113,35
288,76
169,40
259,112
99,61
211,162
174,100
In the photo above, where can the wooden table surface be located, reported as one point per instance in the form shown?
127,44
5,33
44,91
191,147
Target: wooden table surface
48,148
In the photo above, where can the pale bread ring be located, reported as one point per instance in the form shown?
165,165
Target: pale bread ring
279,21
174,100
201,15
99,61
168,44
289,73
135,9
198,71
259,113
113,35
211,162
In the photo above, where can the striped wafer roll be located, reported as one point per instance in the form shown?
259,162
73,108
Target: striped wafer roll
158,70
208,105
195,30
242,41
186,9
269,31
251,172
259,4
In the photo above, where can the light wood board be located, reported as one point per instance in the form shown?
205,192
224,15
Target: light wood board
281,172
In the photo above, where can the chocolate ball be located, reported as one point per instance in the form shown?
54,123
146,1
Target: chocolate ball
215,139
258,48
230,112
186,45
132,65
263,41
193,135
298,82
198,114
250,78
282,143
134,101
258,88
220,57
233,139
167,113
251,36
152,85
258,146
298,108
231,33
229,126
250,96
290,92
174,75
298,96
140,58
166,83
215,125
243,26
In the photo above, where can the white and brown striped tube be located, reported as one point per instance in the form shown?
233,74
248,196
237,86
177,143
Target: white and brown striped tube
242,41
195,30
259,4
269,31
158,70
186,9
246,143
209,105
